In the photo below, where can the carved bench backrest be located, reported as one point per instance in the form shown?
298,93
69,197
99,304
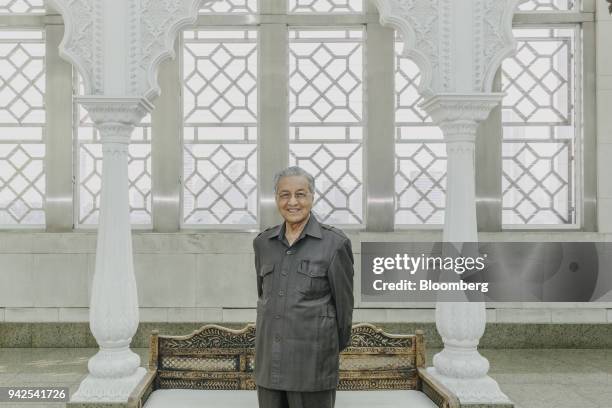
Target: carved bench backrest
219,358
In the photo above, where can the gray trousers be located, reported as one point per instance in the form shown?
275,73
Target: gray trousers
292,399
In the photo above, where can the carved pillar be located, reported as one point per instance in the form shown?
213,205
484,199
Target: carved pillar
459,46
459,365
117,46
113,310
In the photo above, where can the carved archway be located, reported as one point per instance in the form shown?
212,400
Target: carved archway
150,30
428,31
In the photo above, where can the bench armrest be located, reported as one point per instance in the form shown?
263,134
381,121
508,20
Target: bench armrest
141,393
438,393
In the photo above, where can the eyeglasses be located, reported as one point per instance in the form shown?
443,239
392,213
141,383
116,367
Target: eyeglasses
299,196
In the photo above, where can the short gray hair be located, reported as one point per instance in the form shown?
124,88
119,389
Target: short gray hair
294,171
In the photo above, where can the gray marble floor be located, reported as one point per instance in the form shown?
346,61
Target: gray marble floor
531,378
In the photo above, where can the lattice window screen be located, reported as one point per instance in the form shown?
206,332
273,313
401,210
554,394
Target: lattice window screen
420,153
22,128
325,6
21,6
230,7
220,127
326,118
550,5
539,115
88,169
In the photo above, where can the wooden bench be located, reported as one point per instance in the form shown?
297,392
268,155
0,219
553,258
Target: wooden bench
199,369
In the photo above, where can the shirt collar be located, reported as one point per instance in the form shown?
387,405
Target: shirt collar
312,228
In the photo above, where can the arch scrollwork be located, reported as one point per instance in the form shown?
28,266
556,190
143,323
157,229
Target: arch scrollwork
435,42
152,27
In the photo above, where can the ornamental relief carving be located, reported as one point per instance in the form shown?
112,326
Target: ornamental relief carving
217,337
159,25
427,27
153,26
214,337
496,38
82,42
429,30
156,35
418,22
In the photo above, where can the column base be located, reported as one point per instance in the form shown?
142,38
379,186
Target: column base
107,390
483,391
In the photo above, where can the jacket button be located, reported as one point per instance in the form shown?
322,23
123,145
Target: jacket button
277,317
284,273
277,338
281,293
290,252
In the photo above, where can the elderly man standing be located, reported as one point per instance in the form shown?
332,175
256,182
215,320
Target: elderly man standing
305,306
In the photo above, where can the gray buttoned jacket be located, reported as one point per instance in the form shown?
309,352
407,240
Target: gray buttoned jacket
305,307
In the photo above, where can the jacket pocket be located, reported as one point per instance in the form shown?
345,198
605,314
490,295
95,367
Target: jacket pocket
312,279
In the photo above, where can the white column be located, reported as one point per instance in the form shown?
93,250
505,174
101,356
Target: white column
117,47
113,311
459,366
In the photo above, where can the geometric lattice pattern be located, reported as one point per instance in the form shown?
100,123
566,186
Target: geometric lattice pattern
420,153
538,80
230,7
420,183
88,170
539,116
536,182
326,118
22,121
21,6
22,75
325,6
229,363
407,97
337,169
378,362
220,127
549,5
22,184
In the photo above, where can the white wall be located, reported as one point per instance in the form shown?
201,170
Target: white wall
209,277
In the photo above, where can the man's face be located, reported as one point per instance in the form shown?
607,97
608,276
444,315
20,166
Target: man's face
294,198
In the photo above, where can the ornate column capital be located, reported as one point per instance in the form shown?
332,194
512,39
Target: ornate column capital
125,110
439,36
460,114
131,37
451,107
115,118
